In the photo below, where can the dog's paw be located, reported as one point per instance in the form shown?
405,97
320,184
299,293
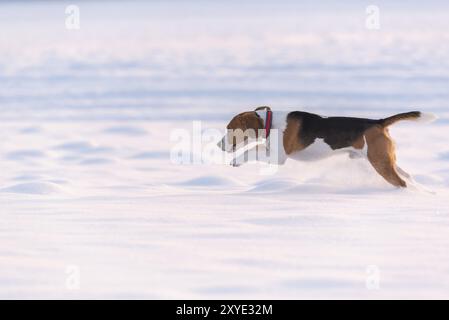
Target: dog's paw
235,164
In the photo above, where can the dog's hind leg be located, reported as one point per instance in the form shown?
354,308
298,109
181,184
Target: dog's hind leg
387,170
382,156
403,173
409,179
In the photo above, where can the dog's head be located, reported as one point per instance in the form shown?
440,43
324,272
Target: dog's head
243,128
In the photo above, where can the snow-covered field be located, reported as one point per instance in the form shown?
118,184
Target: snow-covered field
91,206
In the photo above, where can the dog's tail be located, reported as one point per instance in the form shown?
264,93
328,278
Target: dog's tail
413,115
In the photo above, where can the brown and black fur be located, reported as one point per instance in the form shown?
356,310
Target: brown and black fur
304,128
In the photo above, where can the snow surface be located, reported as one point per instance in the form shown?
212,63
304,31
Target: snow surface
86,177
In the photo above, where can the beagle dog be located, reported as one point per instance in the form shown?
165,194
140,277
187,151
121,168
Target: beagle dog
308,137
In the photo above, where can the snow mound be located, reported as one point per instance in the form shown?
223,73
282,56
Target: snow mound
151,155
125,130
81,147
273,185
209,181
25,155
36,188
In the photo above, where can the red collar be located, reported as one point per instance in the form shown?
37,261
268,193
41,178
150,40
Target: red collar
268,122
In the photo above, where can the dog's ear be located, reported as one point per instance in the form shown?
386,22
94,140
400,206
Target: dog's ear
263,108
245,121
253,121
